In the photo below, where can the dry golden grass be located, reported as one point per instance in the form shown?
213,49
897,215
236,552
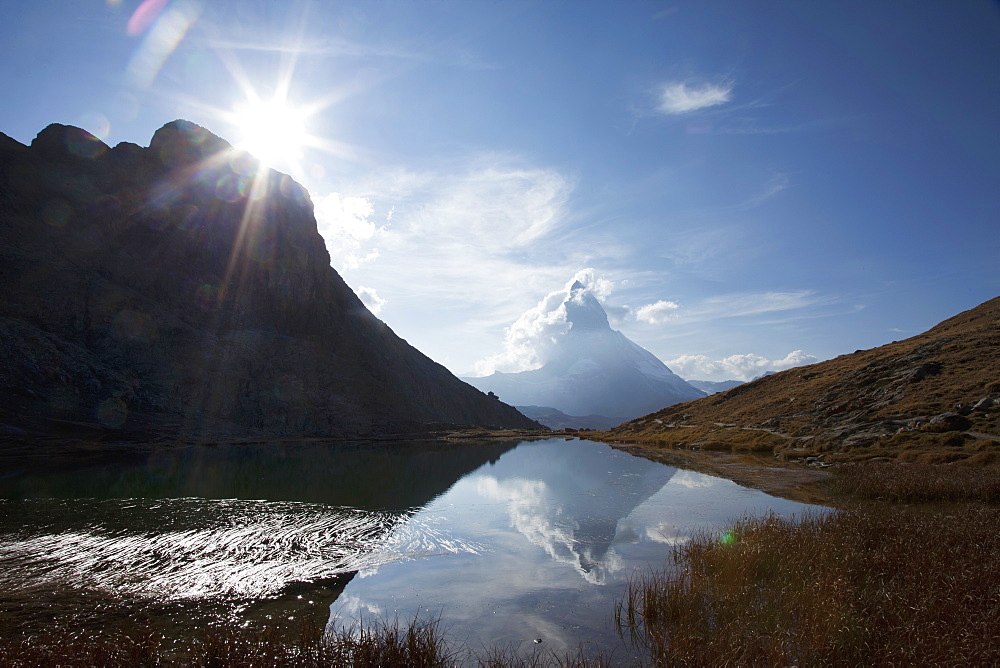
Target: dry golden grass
907,572
418,644
918,483
873,399
865,586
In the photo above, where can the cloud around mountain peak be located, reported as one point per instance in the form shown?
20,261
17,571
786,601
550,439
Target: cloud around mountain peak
532,339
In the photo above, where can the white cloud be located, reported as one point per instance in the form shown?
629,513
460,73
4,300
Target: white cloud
458,226
598,285
346,226
656,313
682,98
735,367
370,298
531,339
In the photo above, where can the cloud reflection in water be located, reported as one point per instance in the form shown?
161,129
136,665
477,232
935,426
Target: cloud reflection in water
563,525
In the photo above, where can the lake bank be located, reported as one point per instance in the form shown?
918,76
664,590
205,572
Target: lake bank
778,478
510,540
915,533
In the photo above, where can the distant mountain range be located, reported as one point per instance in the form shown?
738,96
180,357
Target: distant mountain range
556,419
180,289
594,370
714,386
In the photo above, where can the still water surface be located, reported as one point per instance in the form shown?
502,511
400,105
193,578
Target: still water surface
508,543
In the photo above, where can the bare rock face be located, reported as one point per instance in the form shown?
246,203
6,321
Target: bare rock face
182,287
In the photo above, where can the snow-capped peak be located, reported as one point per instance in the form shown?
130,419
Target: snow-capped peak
583,311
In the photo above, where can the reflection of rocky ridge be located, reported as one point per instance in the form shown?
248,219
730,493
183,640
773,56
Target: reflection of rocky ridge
385,477
238,524
178,285
573,515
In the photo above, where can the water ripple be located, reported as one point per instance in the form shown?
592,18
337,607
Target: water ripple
197,548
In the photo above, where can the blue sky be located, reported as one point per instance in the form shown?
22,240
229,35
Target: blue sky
745,185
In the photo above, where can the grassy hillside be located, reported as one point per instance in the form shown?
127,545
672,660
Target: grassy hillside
931,398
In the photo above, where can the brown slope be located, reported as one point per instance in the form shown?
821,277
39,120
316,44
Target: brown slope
909,400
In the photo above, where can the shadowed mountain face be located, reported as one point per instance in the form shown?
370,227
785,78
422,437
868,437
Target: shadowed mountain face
179,287
555,419
594,370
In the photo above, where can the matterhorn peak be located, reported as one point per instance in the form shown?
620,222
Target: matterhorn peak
583,311
588,368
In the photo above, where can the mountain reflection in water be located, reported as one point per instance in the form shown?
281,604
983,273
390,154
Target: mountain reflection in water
572,512
507,542
563,526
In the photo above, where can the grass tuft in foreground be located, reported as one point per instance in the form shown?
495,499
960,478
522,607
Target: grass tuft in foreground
418,644
918,483
863,586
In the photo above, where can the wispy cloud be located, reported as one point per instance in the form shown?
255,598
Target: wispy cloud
736,305
755,303
450,55
467,246
682,98
329,46
775,185
463,221
743,366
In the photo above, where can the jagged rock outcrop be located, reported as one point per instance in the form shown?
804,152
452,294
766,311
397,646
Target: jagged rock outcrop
180,287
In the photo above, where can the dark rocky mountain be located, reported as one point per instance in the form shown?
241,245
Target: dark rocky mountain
180,288
934,397
595,370
715,386
556,419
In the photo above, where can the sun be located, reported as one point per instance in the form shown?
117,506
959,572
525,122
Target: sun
273,131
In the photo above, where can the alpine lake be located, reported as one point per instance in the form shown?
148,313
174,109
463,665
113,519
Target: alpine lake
509,544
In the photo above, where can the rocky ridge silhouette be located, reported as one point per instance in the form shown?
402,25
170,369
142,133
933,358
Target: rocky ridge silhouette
182,288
